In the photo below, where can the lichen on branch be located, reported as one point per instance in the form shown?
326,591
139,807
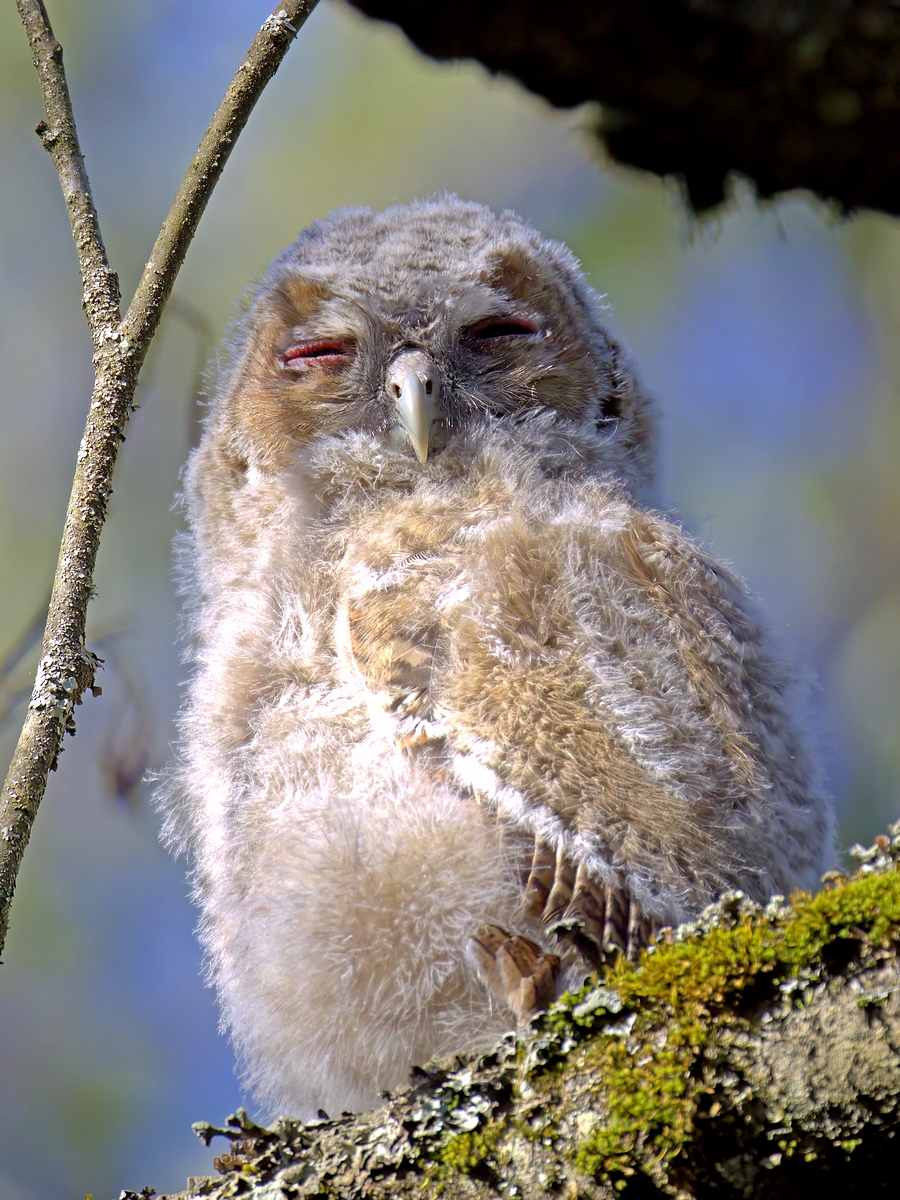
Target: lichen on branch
747,1055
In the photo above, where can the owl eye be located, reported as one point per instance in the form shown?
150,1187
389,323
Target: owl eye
505,327
306,355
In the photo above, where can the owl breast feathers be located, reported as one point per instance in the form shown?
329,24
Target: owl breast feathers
466,717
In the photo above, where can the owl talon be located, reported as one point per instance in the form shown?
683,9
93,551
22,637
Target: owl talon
640,933
615,925
540,881
515,970
598,922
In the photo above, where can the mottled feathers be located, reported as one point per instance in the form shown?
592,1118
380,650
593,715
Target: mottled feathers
466,717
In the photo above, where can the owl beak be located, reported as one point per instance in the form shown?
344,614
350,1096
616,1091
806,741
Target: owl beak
413,382
417,413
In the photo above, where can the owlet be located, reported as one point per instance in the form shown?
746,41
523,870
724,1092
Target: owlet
466,716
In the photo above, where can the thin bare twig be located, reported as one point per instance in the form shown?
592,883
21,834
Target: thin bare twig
60,137
66,669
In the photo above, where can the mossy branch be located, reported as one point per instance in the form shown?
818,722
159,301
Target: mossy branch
750,1055
67,668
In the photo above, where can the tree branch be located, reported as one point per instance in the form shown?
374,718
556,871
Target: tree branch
66,668
60,137
788,93
752,1056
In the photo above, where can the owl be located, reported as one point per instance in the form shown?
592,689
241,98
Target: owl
467,717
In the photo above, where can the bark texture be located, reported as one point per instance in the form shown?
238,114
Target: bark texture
753,1054
789,93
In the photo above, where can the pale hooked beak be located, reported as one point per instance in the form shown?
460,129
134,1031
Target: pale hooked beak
413,383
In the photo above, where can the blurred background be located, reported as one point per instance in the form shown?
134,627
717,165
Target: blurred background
767,334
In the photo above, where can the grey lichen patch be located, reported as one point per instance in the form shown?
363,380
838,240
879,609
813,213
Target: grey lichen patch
749,1054
832,1052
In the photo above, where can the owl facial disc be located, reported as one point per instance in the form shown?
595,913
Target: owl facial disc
413,383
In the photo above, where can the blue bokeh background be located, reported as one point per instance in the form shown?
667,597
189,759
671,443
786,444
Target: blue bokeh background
767,334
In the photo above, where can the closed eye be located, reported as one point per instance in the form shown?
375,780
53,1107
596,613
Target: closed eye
324,353
505,327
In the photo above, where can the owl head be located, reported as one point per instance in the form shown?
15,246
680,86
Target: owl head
417,326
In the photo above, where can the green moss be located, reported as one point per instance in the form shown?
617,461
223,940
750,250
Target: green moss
867,907
467,1152
651,1081
650,1104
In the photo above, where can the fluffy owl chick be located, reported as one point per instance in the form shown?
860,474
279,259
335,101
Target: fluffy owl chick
466,716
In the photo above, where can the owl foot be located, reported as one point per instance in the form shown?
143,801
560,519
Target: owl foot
515,970
598,921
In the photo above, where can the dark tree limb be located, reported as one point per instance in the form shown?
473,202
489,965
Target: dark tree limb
788,93
67,668
752,1056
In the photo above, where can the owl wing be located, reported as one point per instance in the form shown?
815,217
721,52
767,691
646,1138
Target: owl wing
610,686
602,682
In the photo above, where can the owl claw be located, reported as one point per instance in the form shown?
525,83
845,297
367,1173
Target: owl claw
515,970
540,881
599,922
640,932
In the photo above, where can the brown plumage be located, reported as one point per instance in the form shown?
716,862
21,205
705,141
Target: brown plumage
467,718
